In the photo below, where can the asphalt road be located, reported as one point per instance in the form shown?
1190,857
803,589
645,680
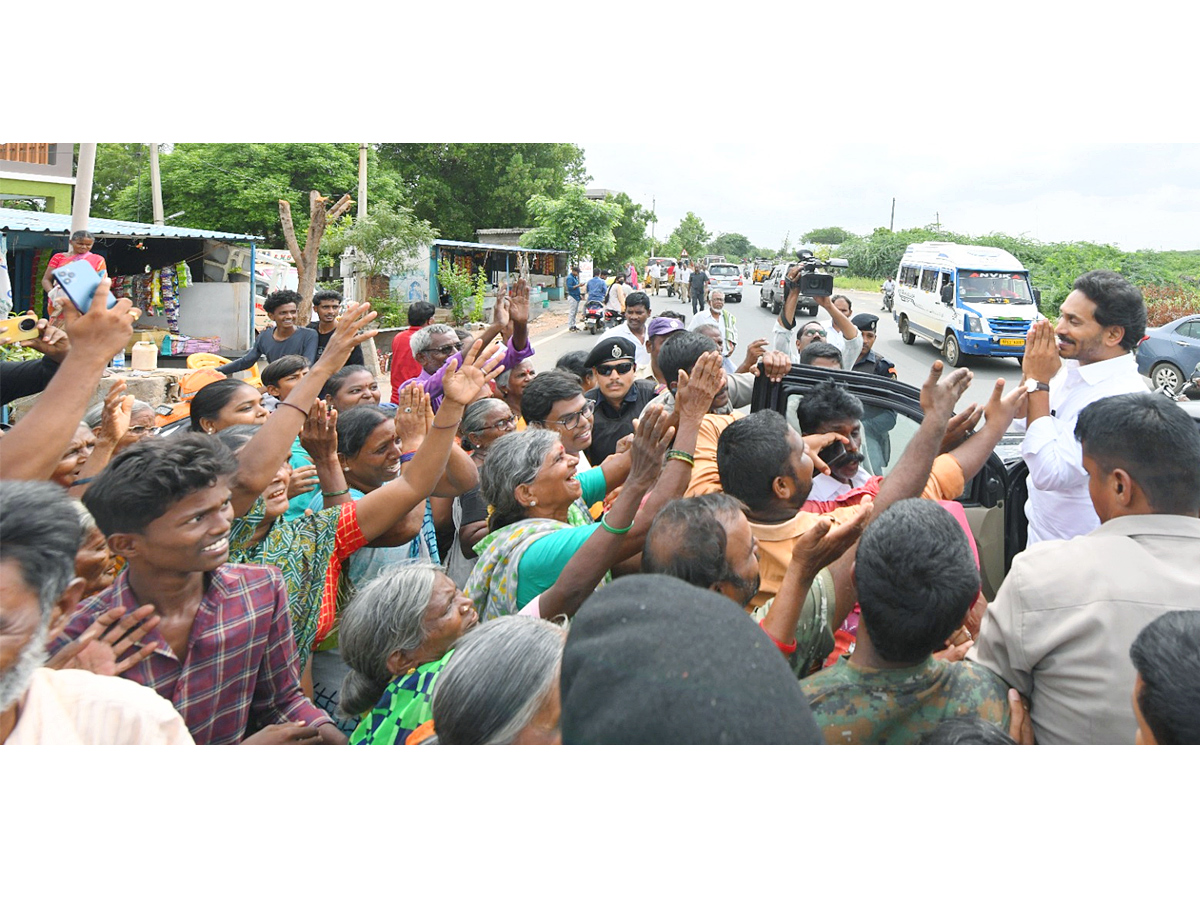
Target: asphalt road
753,321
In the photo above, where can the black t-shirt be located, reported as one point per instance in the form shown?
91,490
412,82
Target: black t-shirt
610,425
697,282
356,355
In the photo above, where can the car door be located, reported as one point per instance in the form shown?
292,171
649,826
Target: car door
1185,345
994,512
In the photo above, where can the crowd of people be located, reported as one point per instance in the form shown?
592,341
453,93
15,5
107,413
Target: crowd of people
607,550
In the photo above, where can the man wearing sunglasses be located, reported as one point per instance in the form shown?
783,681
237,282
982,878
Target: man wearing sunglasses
619,397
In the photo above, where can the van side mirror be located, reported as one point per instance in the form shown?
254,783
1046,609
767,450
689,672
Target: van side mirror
1037,299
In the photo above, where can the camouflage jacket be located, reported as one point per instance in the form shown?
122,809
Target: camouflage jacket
857,705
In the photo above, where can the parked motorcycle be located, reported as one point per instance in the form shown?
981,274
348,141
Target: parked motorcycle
596,317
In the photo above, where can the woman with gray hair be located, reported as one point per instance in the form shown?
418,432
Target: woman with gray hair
396,637
502,685
483,423
532,485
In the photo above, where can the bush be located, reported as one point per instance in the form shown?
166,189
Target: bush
1166,303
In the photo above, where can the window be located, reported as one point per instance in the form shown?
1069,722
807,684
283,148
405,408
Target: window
995,287
1189,329
929,280
909,276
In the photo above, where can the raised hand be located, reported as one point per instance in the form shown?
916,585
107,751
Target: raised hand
959,428
1005,407
826,541
652,437
114,420
694,393
102,331
939,397
413,417
518,303
815,443
319,434
347,335
302,480
481,363
1041,361
51,342
100,647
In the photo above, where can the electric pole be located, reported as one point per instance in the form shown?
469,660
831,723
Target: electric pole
892,224
362,180
156,185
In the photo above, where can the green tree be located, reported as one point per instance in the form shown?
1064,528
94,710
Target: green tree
830,235
631,242
462,187
690,235
237,187
582,227
385,239
118,166
731,246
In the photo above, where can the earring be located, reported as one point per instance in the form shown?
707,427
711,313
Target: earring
533,503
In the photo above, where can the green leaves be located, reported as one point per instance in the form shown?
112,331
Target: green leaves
573,223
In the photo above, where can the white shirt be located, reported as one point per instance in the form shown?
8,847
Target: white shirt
1059,506
642,356
683,275
826,487
655,271
785,341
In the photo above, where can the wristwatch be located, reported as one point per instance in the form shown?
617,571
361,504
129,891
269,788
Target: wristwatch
1032,385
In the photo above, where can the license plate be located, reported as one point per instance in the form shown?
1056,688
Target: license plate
1012,342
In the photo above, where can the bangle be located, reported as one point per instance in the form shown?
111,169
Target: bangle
682,457
293,406
451,425
335,493
604,524
406,457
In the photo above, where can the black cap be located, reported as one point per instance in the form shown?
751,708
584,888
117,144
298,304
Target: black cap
865,322
651,659
611,349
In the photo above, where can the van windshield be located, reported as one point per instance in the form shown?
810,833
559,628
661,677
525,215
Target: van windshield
994,287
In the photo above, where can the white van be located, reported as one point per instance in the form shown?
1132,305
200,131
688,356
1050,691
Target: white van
964,299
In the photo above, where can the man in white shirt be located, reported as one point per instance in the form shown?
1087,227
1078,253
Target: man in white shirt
637,314
683,277
653,276
723,319
784,332
1089,355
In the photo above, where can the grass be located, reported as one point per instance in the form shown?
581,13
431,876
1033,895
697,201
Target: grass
856,283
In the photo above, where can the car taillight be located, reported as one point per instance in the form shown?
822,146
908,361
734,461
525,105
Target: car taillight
739,282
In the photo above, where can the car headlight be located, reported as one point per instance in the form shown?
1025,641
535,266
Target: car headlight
973,324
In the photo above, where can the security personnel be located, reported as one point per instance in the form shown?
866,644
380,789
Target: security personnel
868,360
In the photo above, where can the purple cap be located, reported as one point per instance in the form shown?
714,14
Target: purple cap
660,325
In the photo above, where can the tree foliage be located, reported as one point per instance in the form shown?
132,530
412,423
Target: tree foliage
572,222
237,187
385,239
119,166
830,235
630,241
690,235
461,187
731,246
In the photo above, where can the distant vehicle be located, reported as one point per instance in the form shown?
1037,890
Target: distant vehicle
709,260
771,293
727,278
664,262
760,271
1167,353
964,299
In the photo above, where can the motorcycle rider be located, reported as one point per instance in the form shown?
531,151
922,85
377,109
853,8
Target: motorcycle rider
889,289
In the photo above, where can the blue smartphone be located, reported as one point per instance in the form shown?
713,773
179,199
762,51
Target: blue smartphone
80,281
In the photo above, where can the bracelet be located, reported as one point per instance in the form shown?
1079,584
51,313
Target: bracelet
293,406
335,493
604,524
682,457
452,425
406,457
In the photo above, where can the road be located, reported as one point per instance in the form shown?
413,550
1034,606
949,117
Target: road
753,321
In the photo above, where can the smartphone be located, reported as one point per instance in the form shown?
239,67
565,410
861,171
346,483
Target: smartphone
833,454
80,281
19,328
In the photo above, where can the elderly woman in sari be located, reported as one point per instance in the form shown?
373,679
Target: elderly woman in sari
530,482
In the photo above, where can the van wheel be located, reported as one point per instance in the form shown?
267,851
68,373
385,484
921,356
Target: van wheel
950,351
905,335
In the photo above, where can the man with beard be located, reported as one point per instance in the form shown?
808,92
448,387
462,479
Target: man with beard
1087,356
707,541
39,535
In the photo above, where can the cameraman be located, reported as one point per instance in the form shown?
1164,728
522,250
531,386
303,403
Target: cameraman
784,332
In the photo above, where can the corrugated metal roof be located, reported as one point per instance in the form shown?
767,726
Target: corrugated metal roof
56,223
506,247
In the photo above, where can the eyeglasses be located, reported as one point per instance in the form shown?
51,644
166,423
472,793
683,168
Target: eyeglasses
809,332
446,350
144,429
621,368
572,421
507,424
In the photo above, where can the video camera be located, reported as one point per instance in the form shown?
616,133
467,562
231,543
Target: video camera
811,283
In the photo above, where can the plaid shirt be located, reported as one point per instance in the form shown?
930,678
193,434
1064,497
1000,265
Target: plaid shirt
241,662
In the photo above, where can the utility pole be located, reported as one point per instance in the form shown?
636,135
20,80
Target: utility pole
81,206
892,224
362,180
370,351
156,185
653,219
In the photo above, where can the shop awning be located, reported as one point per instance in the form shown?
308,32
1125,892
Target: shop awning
20,220
507,248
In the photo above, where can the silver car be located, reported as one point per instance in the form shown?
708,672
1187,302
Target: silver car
726,278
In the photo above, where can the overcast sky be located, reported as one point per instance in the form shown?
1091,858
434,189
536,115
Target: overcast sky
1136,196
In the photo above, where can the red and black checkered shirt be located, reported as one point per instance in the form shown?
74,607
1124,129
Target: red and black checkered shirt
241,664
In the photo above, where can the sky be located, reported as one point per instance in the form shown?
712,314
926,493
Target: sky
1136,196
